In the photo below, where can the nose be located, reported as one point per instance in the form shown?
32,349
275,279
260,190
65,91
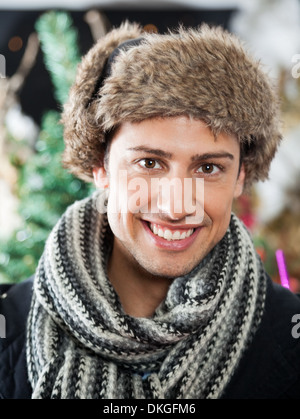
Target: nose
181,198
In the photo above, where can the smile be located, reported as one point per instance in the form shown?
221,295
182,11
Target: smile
171,238
169,235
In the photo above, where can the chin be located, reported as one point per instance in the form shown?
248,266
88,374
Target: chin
165,271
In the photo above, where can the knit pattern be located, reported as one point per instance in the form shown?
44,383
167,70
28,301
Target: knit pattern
81,344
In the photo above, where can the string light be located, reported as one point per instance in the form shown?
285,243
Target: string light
150,28
15,43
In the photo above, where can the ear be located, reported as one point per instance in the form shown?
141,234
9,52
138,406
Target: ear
100,177
239,186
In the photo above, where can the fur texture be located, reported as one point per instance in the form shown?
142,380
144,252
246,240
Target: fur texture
205,73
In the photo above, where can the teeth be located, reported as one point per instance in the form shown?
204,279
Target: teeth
169,235
176,235
183,236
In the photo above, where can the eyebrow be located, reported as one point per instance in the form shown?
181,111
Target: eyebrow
217,155
153,151
196,157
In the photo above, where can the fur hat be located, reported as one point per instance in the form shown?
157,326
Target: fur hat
205,73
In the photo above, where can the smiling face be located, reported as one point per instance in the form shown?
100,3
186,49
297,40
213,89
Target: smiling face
155,235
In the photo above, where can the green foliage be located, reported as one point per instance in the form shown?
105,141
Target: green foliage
59,41
45,188
267,254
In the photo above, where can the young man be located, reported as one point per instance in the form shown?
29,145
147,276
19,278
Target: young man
151,288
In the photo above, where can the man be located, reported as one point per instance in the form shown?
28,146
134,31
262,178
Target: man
151,288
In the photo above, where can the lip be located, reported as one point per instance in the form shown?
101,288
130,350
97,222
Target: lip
174,245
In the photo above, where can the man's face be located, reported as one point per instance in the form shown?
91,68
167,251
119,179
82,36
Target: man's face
155,235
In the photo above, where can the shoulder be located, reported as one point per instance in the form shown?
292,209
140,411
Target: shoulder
15,302
270,368
14,307
16,294
283,311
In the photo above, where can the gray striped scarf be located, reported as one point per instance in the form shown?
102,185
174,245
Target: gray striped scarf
81,344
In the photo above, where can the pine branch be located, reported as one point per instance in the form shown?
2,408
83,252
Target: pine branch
45,188
59,43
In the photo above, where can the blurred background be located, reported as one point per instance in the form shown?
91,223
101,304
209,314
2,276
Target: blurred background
40,46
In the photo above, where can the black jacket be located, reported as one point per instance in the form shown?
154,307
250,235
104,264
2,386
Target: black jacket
270,368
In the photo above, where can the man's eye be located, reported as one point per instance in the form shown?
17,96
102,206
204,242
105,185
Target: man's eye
208,169
149,164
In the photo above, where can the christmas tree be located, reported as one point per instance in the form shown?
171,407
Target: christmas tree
45,189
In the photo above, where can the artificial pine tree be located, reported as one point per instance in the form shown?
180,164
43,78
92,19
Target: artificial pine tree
45,188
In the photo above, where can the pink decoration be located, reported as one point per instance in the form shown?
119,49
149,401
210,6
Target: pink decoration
284,278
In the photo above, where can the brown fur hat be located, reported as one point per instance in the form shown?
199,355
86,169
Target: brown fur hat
204,73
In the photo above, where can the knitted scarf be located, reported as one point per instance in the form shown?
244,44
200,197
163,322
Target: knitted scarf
81,344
